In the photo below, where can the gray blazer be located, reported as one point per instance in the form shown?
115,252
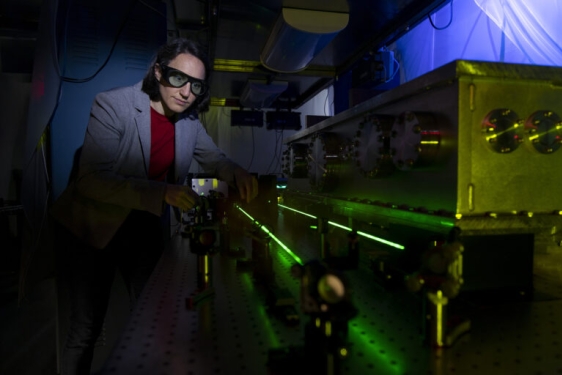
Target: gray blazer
113,170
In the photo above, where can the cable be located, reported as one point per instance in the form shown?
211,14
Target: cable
447,25
57,70
223,109
279,153
326,101
160,13
472,32
496,57
396,69
112,49
61,71
253,150
275,153
279,164
271,162
273,158
175,15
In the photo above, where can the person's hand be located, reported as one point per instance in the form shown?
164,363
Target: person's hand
181,196
246,183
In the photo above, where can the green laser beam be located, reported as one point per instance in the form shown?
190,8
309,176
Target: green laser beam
297,211
363,234
382,240
283,246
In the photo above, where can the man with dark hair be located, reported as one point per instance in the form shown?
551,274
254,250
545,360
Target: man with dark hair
136,155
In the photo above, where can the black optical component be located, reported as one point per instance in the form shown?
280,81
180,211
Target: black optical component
177,78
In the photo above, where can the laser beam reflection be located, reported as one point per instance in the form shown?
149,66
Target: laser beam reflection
554,129
496,135
262,313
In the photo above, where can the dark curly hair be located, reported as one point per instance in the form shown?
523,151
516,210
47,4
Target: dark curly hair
167,53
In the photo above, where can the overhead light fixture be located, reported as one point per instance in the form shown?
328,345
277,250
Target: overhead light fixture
298,36
259,94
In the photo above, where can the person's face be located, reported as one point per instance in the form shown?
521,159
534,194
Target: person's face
178,99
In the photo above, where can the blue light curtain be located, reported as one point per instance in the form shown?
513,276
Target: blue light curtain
511,31
532,25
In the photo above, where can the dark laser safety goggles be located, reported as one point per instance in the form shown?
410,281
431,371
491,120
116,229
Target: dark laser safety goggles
177,78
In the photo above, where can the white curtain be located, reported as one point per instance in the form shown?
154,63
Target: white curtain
509,31
532,25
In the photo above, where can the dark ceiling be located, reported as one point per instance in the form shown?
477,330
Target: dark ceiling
236,31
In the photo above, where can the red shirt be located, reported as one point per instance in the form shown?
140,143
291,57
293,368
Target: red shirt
162,148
